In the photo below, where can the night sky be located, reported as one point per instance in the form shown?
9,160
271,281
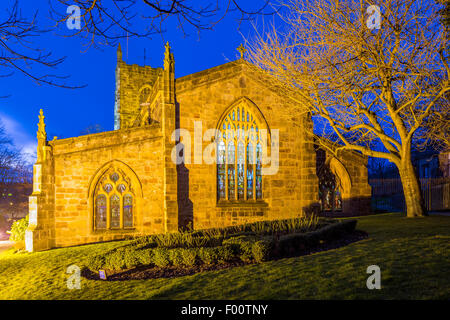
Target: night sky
68,112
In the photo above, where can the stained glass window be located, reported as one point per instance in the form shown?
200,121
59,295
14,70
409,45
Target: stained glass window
329,193
100,212
258,174
250,171
240,168
231,176
114,177
108,199
108,187
115,211
221,170
128,211
239,154
121,188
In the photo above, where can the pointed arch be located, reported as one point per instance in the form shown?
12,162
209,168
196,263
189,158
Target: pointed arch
114,195
240,139
341,172
251,106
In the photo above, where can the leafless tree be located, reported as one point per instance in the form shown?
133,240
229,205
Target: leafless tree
373,87
104,22
20,53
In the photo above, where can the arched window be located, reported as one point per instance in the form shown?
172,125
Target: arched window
239,155
114,201
329,192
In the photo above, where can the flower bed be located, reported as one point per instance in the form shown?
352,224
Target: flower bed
190,252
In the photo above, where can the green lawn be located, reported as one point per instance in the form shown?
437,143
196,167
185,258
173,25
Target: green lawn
413,254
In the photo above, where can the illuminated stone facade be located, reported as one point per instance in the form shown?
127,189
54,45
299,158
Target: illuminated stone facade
124,183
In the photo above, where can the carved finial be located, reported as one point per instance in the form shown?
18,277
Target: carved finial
167,52
241,50
41,134
119,53
168,58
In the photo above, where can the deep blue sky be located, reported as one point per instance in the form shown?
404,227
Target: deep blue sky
68,112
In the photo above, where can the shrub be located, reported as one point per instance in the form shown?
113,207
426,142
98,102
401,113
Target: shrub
96,262
189,256
262,250
176,257
161,257
224,253
17,232
145,256
115,260
131,258
208,255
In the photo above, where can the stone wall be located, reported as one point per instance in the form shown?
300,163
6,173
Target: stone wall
76,162
205,96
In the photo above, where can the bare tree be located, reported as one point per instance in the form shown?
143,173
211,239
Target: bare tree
436,130
374,87
104,22
19,53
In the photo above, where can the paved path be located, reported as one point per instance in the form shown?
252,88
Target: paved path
5,245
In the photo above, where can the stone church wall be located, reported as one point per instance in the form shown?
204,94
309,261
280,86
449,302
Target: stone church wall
76,161
291,192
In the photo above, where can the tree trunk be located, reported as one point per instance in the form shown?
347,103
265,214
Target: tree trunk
411,189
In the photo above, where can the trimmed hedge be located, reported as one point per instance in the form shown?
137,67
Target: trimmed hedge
247,248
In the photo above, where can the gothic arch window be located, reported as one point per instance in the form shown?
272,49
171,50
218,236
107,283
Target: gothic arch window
329,190
114,201
239,155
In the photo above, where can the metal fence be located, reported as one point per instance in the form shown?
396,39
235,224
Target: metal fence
387,194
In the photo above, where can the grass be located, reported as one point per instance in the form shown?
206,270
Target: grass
413,254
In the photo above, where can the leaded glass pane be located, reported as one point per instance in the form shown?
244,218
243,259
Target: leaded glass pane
127,211
114,177
329,193
121,188
240,168
108,187
250,171
231,173
221,170
100,212
258,172
115,211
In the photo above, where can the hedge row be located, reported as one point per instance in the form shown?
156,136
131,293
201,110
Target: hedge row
214,237
233,249
246,248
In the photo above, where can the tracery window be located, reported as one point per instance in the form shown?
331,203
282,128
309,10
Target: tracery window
329,190
239,154
113,201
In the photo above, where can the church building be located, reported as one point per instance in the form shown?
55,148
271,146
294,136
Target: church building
215,148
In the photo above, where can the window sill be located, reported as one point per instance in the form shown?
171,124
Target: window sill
242,203
113,231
